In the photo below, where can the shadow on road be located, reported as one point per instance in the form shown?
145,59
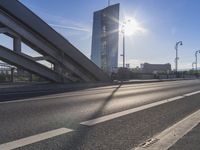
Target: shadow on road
40,90
78,139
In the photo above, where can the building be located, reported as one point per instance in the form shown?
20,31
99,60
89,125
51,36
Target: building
155,68
105,38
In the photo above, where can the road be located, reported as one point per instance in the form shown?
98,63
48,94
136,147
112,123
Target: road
118,117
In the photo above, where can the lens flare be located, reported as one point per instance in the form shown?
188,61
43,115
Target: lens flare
132,27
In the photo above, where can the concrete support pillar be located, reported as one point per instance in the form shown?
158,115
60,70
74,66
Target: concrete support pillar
30,77
17,45
1,26
12,74
57,68
17,49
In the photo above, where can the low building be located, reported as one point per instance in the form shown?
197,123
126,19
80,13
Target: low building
155,68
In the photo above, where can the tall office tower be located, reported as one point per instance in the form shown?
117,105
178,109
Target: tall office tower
105,38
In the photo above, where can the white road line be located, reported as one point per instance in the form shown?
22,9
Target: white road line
126,112
130,111
34,139
171,135
193,93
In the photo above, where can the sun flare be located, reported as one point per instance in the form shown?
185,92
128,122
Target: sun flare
132,27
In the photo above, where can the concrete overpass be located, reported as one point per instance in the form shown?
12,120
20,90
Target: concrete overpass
70,65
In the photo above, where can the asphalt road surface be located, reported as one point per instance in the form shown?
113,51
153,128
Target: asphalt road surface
118,117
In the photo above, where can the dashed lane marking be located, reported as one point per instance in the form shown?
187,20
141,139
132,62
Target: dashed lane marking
34,139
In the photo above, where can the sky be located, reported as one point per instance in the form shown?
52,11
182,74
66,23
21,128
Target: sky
163,23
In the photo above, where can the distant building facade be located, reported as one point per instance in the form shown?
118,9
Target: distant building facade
105,38
155,68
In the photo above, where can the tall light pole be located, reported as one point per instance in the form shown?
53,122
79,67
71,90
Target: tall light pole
176,59
196,60
123,40
193,65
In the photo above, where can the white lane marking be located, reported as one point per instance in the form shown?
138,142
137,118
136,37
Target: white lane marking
126,112
193,93
34,139
171,135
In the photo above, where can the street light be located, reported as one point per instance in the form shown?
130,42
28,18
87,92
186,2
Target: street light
129,27
196,59
123,36
176,59
193,65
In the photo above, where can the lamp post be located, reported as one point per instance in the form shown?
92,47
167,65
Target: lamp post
123,40
176,59
196,60
193,65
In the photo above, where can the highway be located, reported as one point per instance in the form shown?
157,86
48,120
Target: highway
117,117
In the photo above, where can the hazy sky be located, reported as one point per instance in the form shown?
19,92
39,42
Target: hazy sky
164,22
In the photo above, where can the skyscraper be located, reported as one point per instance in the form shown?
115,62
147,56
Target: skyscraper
105,38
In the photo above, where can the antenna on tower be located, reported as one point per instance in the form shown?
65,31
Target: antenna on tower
108,2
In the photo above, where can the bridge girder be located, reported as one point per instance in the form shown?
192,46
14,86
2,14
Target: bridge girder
38,44
41,37
19,60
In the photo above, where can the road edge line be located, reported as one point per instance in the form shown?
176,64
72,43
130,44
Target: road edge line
171,135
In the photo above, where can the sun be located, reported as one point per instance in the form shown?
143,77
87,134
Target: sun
132,27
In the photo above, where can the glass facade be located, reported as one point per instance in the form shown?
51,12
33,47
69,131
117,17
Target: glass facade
105,38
